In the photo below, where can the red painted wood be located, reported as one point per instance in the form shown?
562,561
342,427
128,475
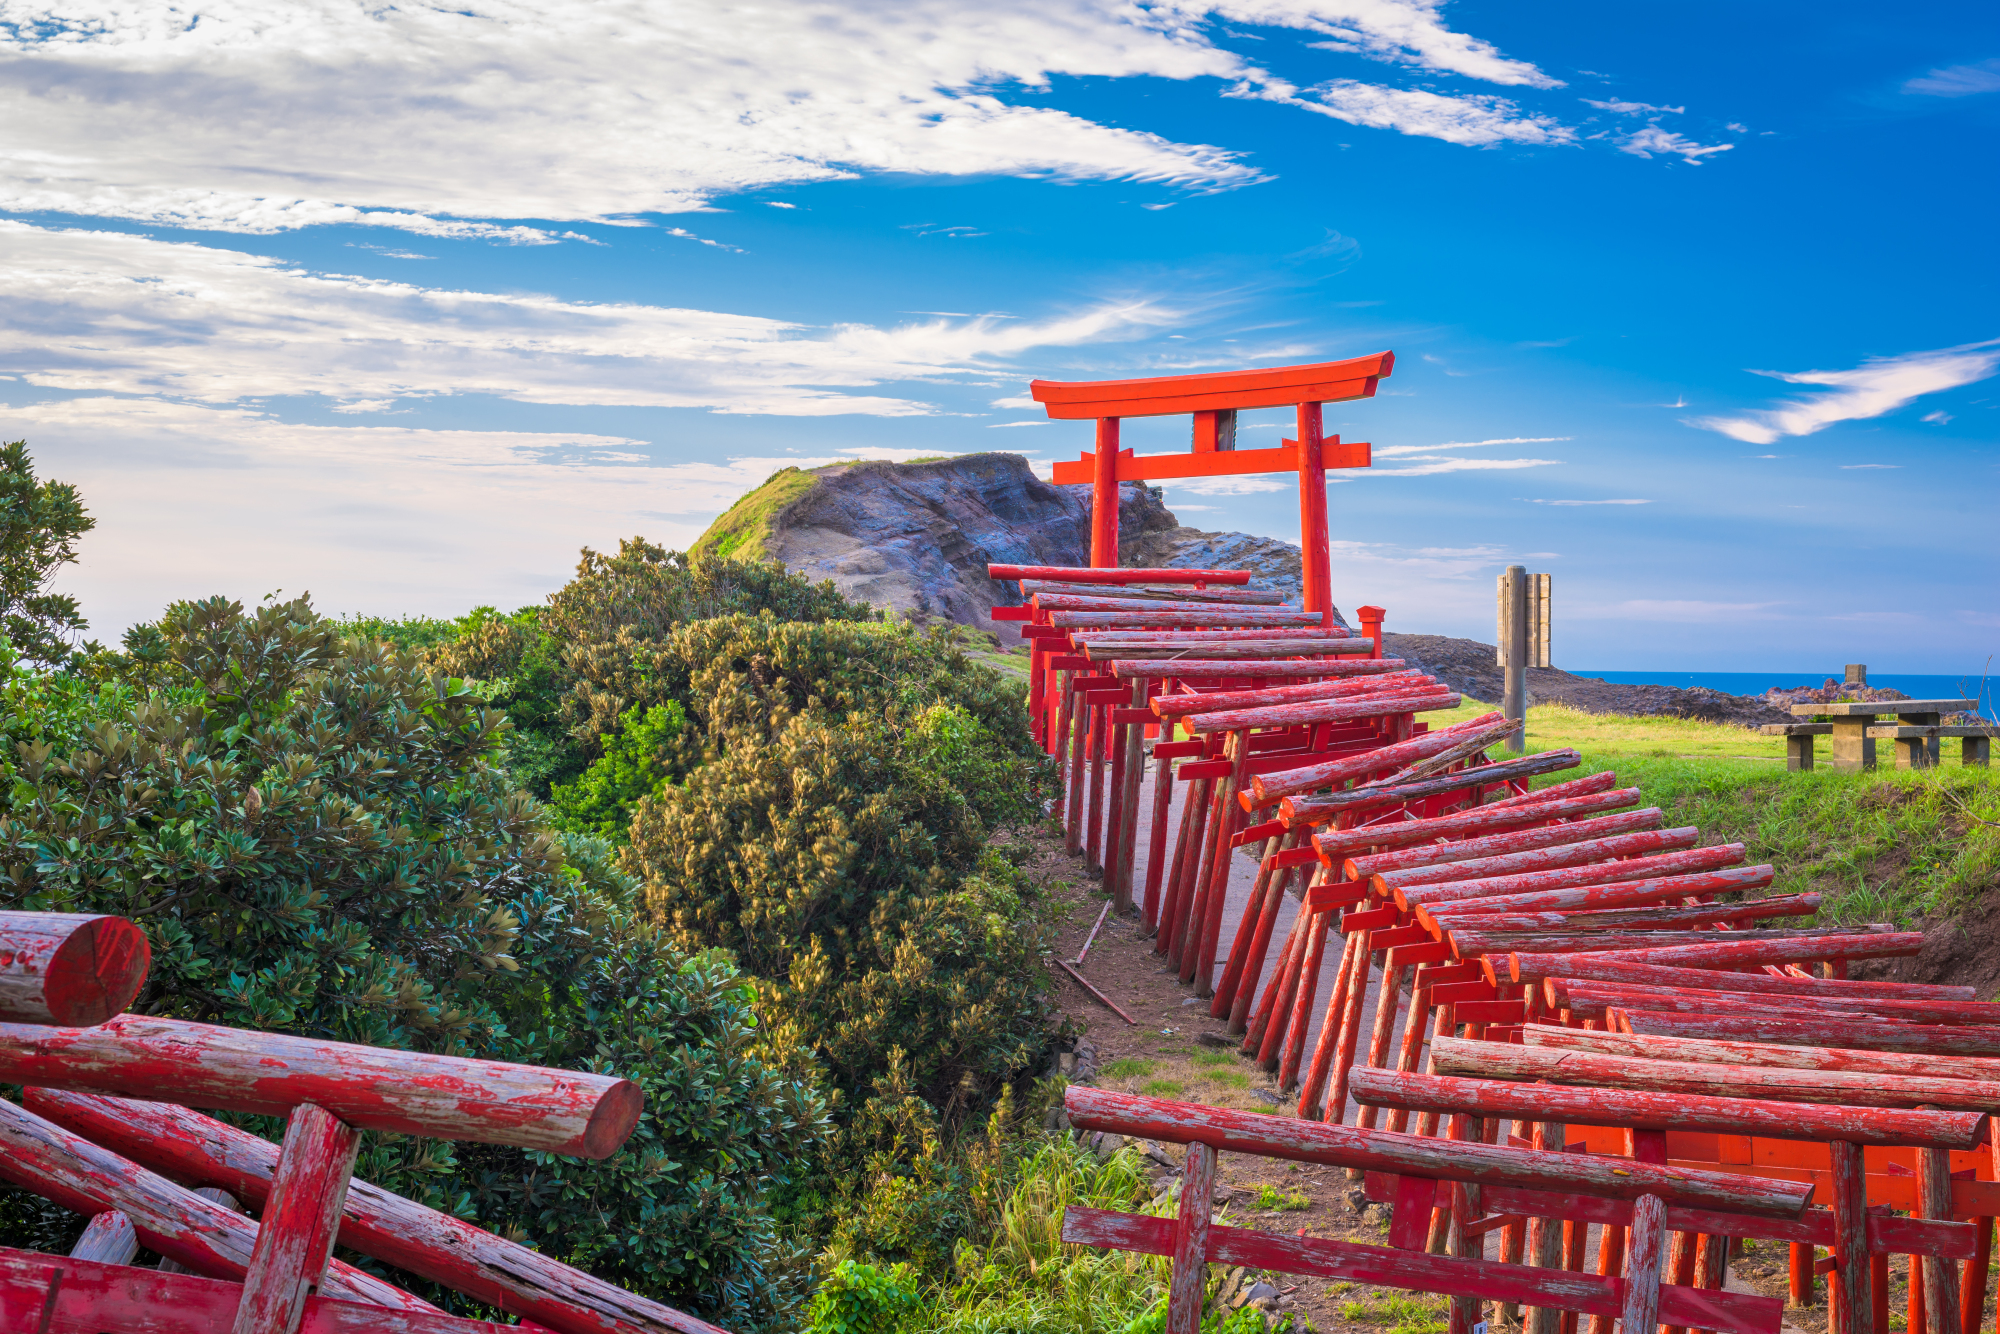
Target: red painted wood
1378,1150
1239,650
1429,855
1640,1310
1175,706
1268,788
1850,1244
1386,1267
108,1238
1189,640
1638,919
295,1233
1096,575
1210,669
378,1223
1669,1111
1575,787
93,1298
1472,944
1819,1032
1497,1060
69,969
1337,843
372,1088
1322,809
1526,966
44,1158
1556,857
1973,1014
1736,953
1219,618
1723,1052
1158,395
1182,592
1688,862
1189,1283
1633,893
1322,711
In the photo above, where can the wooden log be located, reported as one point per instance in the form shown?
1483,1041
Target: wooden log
295,1233
1304,987
1765,949
378,1223
1215,701
1551,856
1972,1289
1526,966
1156,845
213,1194
1240,650
1687,862
371,1088
1268,788
1584,1001
1050,601
1322,711
1626,894
1321,809
1641,919
1211,669
1681,1111
1078,745
1857,1033
72,970
1353,952
1383,1266
1118,575
1603,781
1269,1019
1939,1274
1469,944
1493,845
1253,935
1641,1309
1500,1060
1189,1283
1334,844
1220,618
1154,592
1227,819
1610,1264
1970,1014
1388,997
1350,1030
1544,1242
1761,1053
1173,902
67,1170
1377,1150
1850,1246
108,1238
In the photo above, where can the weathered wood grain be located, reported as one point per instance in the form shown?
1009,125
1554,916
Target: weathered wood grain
1321,711
1763,949
1267,788
1725,1052
1688,862
1635,845
1321,809
1503,843
1180,705
69,969
108,1238
1334,844
1639,919
1118,575
1628,894
1821,1032
1835,1008
1209,669
1527,966
295,1233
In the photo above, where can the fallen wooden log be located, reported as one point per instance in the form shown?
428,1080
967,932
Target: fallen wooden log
1555,857
378,1223
1504,1060
1209,669
1858,1032
1737,953
371,1088
108,1238
46,1160
1724,1052
1529,967
1334,844
1175,706
1156,592
1044,601
1321,809
1626,996
1470,943
1221,618
1380,1150
1245,650
1088,636
69,969
1636,919
1691,861
1500,844
1620,894
1321,711
1646,1110
1118,574
1267,788
1575,787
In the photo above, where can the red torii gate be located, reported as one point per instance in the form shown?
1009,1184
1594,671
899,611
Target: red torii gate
1215,400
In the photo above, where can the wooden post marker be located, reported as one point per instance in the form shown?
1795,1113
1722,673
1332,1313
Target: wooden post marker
295,1237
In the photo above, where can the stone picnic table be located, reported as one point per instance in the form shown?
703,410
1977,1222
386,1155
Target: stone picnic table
1916,731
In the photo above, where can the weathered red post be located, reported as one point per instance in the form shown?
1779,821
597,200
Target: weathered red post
69,969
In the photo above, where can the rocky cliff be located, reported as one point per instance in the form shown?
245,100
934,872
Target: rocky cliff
916,537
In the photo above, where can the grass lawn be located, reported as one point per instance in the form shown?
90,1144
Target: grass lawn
1886,846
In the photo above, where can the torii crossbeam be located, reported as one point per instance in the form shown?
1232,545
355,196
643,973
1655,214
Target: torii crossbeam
1215,400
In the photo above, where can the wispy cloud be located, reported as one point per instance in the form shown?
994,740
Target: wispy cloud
1590,502
1940,418
1958,80
1404,451
1633,108
1862,467
1653,139
1001,426
1877,386
1431,465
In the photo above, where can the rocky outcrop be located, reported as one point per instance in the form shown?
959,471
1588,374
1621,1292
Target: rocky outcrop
915,538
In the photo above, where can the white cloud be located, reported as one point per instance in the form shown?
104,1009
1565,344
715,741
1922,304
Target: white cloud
1633,108
1653,139
999,426
264,115
1940,418
105,312
1402,451
1226,486
1958,81
1647,609
1878,385
777,203
1025,402
1429,466
1590,502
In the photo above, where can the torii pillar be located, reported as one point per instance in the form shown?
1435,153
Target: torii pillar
1214,400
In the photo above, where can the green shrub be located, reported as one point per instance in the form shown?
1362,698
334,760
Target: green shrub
40,525
636,762
858,1298
317,839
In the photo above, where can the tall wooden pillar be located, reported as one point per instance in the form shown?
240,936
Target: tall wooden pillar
1318,578
1104,497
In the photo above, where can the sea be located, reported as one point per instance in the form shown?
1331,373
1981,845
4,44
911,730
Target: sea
1756,683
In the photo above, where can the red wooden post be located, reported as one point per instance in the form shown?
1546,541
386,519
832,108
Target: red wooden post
108,1238
1388,998
1308,927
1642,1288
1127,842
1104,496
1350,1026
1189,1284
1254,930
1302,1007
1972,1288
1228,819
69,969
1187,844
1544,1246
1850,1247
1156,844
1317,579
1800,1278
1938,1279
1329,1032
295,1237
1371,626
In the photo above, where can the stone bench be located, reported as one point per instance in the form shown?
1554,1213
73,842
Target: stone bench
1918,747
1798,740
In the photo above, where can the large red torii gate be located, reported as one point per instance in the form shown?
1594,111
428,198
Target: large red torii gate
1215,400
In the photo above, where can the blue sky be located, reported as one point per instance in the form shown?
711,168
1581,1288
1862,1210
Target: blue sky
1694,306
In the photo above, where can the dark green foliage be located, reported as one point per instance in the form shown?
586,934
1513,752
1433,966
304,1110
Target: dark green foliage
637,759
859,1298
317,839
512,662
40,523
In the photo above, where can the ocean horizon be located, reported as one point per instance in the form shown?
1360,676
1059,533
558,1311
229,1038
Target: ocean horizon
1915,685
